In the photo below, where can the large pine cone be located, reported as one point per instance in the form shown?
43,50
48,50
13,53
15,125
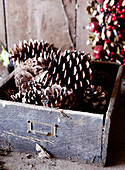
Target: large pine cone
70,68
31,49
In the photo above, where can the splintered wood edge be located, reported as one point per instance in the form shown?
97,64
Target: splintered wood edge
115,92
10,76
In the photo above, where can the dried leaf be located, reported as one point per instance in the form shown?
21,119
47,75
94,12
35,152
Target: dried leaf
123,3
105,46
103,33
112,2
109,19
98,7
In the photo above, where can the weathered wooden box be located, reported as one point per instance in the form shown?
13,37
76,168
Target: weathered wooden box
82,136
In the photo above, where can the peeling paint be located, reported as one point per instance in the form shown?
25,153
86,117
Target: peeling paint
3,104
27,138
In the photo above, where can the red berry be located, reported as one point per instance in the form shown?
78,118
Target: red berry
108,53
109,9
106,5
119,12
113,18
117,9
120,35
106,17
123,10
113,27
114,6
106,41
93,26
124,60
98,51
101,9
118,6
111,59
99,33
109,27
112,53
121,16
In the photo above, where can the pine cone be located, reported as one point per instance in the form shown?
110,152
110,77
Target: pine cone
94,98
45,76
32,49
100,78
61,97
70,68
55,96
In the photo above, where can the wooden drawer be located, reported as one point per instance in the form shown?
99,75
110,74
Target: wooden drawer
79,136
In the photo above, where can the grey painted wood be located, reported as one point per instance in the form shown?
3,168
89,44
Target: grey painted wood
39,20
83,136
78,138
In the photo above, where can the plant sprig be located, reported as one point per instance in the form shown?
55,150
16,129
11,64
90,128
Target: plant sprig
4,56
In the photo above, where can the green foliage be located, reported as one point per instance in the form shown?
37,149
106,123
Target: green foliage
4,56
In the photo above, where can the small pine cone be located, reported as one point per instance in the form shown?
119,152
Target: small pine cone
18,97
58,96
25,74
100,78
55,96
33,96
94,98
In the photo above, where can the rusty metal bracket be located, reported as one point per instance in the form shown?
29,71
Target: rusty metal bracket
39,132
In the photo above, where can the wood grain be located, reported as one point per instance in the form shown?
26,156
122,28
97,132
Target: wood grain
78,138
3,70
2,24
82,22
39,20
